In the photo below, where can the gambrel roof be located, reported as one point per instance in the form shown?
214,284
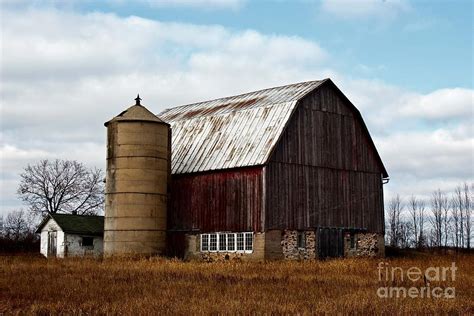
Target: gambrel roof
231,132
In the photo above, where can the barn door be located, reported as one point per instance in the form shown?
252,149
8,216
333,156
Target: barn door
52,244
330,242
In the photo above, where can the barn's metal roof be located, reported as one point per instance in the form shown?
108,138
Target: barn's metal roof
231,132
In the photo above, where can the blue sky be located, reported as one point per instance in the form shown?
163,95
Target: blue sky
426,46
68,66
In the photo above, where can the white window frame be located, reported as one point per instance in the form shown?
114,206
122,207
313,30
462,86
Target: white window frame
226,235
217,242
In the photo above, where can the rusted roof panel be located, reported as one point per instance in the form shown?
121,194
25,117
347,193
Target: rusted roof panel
231,132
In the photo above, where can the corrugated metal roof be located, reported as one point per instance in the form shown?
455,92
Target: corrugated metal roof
231,132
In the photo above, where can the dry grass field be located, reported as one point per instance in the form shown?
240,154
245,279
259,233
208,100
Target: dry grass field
32,285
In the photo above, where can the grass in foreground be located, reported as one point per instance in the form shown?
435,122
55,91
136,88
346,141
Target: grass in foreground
148,286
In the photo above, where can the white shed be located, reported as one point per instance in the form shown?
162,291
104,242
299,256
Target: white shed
66,235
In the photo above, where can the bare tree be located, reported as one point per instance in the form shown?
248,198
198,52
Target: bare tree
421,224
446,219
61,186
468,205
457,204
17,225
416,208
438,201
405,232
414,217
395,208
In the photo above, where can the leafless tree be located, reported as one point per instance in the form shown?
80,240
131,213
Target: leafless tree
17,225
421,242
61,186
446,219
438,201
395,208
405,232
468,205
414,210
457,204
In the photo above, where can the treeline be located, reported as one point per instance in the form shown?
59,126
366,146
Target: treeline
17,233
444,220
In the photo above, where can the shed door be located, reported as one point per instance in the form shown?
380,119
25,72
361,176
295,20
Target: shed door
330,243
52,243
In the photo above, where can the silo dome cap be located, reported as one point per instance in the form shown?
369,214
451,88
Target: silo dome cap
137,112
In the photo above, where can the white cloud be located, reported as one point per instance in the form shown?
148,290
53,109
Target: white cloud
349,9
443,104
64,74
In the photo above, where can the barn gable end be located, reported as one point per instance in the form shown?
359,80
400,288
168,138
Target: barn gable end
325,170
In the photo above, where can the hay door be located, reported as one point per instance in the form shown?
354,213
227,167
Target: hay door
52,243
330,242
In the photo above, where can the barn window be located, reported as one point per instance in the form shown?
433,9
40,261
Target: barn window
227,242
231,242
301,240
240,242
222,242
205,242
213,242
87,241
248,241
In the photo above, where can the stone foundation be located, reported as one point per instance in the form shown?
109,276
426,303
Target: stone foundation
277,245
291,251
365,245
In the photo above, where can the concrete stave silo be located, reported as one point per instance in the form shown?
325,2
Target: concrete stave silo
138,173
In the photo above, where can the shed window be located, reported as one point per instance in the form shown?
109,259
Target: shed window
87,241
301,240
227,242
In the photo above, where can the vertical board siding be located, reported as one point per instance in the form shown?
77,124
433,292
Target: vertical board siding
325,171
331,138
229,200
331,198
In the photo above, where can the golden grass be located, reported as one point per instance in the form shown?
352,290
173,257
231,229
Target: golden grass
35,285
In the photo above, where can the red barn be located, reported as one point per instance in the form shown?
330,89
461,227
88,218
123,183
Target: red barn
287,172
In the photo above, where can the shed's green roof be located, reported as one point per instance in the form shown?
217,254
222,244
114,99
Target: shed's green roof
77,224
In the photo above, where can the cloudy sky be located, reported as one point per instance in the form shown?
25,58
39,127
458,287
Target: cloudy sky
68,66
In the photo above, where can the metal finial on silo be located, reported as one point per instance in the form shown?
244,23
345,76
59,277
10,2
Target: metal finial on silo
138,99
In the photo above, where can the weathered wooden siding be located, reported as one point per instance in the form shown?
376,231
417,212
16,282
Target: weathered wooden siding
229,200
324,132
324,171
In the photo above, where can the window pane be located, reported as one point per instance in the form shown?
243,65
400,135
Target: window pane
87,241
231,242
249,241
213,242
205,242
240,241
301,240
222,242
